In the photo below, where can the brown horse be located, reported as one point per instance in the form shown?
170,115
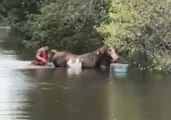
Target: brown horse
89,60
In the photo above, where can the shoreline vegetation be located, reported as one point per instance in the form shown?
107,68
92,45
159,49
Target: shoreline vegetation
139,29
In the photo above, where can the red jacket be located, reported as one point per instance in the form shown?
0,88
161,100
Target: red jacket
43,53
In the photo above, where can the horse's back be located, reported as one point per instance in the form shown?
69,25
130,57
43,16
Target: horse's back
89,60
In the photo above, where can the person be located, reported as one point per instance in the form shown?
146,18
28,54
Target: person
41,56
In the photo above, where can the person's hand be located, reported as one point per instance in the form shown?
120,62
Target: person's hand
44,61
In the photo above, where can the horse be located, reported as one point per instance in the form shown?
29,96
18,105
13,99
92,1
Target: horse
88,60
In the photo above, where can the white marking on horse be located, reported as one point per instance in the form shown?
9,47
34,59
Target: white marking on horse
74,66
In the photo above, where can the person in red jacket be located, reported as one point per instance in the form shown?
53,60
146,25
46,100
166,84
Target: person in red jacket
41,56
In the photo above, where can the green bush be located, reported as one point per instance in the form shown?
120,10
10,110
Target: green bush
67,25
140,25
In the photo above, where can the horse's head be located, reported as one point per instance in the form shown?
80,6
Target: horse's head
51,55
109,51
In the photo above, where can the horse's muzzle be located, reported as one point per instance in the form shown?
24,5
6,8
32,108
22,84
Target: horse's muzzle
114,57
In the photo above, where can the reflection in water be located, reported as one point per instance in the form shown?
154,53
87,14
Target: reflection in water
74,71
12,93
13,86
140,97
120,105
41,73
66,97
12,98
73,94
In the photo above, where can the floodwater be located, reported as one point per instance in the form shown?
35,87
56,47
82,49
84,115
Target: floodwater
60,94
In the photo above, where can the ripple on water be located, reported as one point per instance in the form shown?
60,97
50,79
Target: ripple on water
13,89
12,97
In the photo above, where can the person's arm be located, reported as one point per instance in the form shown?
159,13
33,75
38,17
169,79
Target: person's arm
38,56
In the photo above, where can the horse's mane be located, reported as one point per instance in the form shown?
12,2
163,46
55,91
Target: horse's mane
101,49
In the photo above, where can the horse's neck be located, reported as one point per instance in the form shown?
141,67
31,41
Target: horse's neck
96,52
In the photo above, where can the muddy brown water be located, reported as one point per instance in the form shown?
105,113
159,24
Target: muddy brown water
60,94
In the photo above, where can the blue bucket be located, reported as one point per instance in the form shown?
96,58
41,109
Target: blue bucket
116,67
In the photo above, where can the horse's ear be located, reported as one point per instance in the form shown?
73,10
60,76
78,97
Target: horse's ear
106,44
